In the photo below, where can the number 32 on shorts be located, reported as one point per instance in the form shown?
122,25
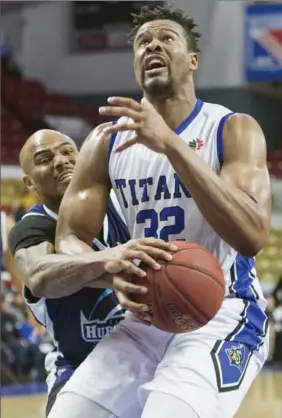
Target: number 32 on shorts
155,219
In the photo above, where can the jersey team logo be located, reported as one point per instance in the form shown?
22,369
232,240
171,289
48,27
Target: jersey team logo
196,144
236,356
95,330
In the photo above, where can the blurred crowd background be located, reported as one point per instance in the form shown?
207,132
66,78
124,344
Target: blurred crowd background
60,61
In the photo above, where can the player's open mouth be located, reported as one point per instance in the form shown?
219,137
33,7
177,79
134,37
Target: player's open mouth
154,65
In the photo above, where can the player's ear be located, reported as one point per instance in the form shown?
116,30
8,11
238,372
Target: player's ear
193,61
29,183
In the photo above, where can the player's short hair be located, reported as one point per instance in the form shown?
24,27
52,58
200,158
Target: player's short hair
166,12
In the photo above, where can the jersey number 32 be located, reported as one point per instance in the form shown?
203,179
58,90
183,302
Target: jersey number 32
155,228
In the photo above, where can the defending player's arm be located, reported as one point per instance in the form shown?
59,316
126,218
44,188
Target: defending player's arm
52,275
237,203
45,273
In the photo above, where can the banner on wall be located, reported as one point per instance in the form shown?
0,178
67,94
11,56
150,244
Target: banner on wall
263,42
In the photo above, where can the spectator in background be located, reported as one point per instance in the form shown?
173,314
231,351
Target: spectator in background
21,334
10,339
34,358
7,223
8,64
21,343
277,293
276,304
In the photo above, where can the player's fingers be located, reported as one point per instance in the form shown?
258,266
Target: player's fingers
128,304
125,101
156,253
143,257
131,268
126,145
158,243
119,112
122,285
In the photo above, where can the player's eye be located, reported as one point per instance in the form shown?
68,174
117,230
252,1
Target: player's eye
45,160
144,42
168,38
67,152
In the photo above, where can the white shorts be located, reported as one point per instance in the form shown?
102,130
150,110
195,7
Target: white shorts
210,374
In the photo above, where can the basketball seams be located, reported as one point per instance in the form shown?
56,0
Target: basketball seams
155,302
186,298
207,274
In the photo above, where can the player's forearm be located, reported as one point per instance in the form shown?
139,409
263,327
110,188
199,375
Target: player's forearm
234,216
69,243
59,275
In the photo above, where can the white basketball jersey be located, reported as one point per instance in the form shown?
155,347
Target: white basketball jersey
155,202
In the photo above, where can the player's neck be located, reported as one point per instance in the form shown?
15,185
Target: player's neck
176,109
52,205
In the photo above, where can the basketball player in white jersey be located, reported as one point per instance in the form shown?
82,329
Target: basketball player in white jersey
186,170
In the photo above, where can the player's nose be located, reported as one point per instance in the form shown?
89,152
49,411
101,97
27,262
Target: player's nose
60,160
154,46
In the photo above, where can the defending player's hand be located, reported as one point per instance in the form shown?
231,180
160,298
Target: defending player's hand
147,250
149,126
125,291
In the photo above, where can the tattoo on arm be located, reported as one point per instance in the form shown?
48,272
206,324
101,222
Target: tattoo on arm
57,275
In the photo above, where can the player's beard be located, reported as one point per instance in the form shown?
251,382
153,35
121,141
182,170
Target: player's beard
159,88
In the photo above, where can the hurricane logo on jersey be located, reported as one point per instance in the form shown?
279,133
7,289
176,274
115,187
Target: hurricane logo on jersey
236,356
93,330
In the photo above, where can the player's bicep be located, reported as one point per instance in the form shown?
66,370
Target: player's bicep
26,258
85,202
244,160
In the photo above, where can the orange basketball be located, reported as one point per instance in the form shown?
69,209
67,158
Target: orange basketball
187,292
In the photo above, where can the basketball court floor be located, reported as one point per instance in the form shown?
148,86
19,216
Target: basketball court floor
263,401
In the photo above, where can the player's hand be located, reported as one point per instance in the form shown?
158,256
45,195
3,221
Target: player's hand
149,126
125,290
147,250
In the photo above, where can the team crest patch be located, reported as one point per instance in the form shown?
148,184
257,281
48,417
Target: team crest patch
236,356
230,359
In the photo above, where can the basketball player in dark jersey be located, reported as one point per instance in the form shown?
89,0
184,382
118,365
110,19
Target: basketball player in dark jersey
69,294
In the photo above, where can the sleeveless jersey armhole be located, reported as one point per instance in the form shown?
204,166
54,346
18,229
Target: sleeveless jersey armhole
219,138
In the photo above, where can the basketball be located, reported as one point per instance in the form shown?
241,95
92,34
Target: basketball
187,292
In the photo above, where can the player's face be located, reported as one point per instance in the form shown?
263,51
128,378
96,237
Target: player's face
53,162
162,60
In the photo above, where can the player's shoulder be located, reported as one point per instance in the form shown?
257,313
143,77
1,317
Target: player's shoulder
35,227
215,111
241,124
